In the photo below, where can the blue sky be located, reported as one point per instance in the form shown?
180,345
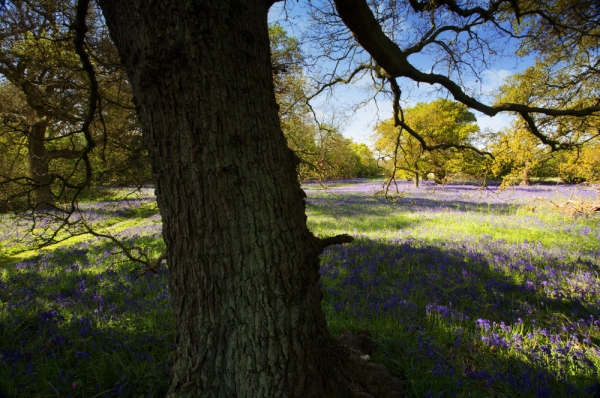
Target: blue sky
358,124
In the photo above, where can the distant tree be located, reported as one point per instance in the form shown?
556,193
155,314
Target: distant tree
323,152
564,43
297,122
580,165
519,156
438,122
365,161
519,152
336,155
45,92
401,151
43,72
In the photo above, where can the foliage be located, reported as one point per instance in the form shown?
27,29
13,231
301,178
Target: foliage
324,153
540,86
340,157
565,44
563,37
45,95
440,121
580,165
12,168
519,156
365,164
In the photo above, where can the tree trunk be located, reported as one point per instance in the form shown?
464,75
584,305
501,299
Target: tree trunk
525,177
39,170
243,266
416,175
439,175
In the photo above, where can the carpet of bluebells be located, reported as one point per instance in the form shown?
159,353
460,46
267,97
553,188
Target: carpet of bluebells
468,291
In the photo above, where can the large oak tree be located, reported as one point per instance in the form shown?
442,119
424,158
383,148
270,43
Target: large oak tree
243,265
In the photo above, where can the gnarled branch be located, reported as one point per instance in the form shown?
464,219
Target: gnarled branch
358,17
335,240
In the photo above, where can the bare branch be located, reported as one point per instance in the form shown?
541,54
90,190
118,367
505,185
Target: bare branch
150,265
367,31
347,80
399,122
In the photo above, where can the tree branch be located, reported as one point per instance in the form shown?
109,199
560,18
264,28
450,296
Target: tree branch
335,240
64,154
399,122
149,264
80,28
358,17
347,80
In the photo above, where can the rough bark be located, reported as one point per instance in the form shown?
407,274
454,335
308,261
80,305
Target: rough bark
243,266
39,166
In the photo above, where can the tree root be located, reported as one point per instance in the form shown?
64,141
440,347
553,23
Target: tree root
369,380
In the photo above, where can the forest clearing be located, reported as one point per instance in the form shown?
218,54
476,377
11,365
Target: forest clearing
466,291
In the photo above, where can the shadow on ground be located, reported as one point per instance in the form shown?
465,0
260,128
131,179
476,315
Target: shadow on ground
451,321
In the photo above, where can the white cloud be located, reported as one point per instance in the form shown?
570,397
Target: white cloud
498,122
364,120
493,79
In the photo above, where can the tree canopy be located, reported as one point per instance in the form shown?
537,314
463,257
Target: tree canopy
439,122
45,93
449,45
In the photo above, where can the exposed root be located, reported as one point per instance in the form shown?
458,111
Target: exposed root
358,342
369,380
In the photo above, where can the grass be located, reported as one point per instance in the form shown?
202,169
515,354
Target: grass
468,293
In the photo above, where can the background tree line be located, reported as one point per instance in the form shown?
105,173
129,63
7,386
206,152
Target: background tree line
512,154
43,91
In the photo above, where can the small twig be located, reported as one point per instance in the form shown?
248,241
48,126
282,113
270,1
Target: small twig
103,392
149,265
